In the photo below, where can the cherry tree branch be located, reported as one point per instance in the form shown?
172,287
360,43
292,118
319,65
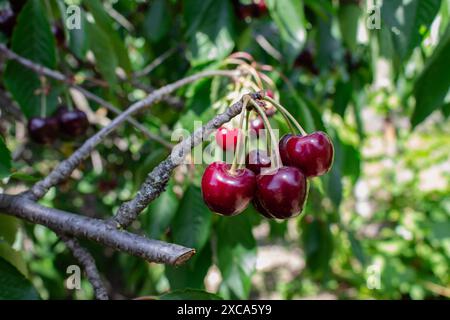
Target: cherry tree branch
66,167
156,180
102,232
88,263
42,70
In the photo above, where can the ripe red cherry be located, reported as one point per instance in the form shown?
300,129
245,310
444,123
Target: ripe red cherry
43,130
257,159
227,138
225,193
283,150
312,154
256,125
72,122
282,194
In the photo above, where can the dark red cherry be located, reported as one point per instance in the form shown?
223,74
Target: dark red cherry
72,122
262,7
283,150
283,193
256,125
227,138
245,11
312,154
43,130
7,21
225,193
58,33
306,60
257,159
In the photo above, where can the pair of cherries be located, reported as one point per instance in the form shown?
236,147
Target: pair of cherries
255,9
71,123
280,194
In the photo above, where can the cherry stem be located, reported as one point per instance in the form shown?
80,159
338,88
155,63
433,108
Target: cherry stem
69,101
247,119
286,113
274,152
241,136
43,98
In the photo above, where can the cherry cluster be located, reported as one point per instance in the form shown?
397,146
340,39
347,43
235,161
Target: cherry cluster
71,123
276,184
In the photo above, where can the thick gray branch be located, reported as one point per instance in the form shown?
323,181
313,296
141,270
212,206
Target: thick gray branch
88,263
66,167
95,230
156,180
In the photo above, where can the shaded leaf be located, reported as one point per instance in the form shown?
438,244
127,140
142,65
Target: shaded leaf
5,160
192,224
157,21
433,84
210,32
190,294
236,256
13,285
288,16
32,39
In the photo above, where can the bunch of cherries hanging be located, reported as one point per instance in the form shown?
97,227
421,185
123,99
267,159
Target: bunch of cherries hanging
274,181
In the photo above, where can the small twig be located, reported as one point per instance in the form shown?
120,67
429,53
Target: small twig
88,263
156,180
96,230
66,167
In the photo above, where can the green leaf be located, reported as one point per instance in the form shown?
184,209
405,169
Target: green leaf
190,294
348,16
192,224
318,246
191,274
357,248
32,39
408,21
334,177
8,228
210,33
105,23
236,255
433,84
101,46
342,97
198,96
13,285
79,38
157,21
161,212
288,17
5,160
14,257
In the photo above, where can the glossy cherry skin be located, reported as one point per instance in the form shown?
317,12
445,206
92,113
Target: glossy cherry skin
282,194
72,122
282,145
225,193
312,154
227,138
256,125
257,159
43,130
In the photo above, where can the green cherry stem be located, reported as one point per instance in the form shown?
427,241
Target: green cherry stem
241,136
43,98
286,113
274,152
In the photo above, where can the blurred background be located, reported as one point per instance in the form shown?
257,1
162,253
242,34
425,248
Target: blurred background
375,75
